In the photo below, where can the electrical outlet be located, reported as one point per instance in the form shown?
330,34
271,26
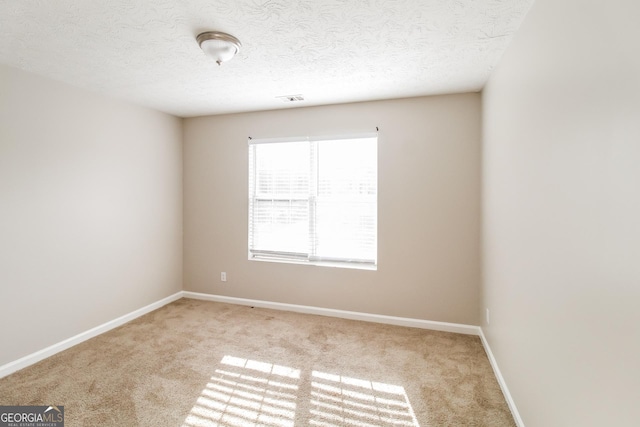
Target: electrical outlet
488,320
223,277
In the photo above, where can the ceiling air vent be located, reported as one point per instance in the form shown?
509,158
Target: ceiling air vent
291,98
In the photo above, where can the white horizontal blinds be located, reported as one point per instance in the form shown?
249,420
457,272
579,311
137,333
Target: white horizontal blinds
314,199
346,200
279,198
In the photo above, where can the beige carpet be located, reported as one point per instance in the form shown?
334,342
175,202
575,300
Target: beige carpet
194,363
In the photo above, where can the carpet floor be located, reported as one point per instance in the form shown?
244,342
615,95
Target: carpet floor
195,363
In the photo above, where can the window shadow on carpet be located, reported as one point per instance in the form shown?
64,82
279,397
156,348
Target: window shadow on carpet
245,392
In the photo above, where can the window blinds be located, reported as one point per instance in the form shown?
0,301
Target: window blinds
314,199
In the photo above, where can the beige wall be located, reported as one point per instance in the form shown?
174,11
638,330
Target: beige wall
562,214
90,210
429,171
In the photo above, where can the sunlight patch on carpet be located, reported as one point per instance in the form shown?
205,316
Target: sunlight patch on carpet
248,393
338,401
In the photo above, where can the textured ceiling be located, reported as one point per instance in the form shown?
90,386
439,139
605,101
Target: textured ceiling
330,51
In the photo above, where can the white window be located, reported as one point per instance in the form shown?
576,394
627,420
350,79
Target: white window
314,200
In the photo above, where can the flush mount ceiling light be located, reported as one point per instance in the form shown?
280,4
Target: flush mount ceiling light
220,46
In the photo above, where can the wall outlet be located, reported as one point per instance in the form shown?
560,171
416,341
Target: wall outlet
223,277
488,319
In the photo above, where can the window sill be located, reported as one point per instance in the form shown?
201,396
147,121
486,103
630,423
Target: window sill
330,264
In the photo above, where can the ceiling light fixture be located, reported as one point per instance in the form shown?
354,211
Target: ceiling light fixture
220,46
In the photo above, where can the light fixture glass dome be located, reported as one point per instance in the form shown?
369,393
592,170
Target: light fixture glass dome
220,46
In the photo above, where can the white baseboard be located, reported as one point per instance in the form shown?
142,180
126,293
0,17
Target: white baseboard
501,381
353,315
32,358
377,318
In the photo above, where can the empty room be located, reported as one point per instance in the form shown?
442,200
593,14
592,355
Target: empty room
330,213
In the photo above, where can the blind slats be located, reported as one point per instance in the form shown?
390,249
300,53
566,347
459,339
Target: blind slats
314,199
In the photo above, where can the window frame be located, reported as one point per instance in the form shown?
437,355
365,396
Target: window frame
311,199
